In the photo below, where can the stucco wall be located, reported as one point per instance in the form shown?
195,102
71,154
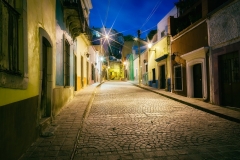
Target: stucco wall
163,24
82,49
224,37
190,39
18,108
224,26
39,14
60,97
61,36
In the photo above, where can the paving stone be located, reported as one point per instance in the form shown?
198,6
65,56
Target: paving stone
126,122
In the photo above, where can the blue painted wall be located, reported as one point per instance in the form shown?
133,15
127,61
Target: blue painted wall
154,85
59,48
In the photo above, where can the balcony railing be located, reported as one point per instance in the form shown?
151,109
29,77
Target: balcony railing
74,18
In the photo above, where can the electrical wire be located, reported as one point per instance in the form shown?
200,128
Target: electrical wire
152,13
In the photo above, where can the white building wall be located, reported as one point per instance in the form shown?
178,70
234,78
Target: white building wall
162,24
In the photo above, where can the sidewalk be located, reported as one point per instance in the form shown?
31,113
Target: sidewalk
223,112
59,140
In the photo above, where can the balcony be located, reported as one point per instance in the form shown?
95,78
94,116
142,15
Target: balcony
74,18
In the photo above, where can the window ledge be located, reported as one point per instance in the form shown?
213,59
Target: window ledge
13,81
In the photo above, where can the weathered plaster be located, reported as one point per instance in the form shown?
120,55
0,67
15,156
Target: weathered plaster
224,26
39,13
159,49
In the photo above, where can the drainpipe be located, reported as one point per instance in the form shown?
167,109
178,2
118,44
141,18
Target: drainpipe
171,85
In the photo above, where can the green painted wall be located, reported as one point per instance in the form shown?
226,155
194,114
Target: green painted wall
131,68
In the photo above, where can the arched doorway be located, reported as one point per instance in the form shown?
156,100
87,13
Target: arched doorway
45,85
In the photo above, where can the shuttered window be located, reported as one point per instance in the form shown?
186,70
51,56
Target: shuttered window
66,64
9,54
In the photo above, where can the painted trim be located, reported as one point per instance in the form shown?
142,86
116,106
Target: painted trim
198,53
44,36
195,57
181,78
187,30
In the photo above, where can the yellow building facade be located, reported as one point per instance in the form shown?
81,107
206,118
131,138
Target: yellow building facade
83,65
20,92
159,60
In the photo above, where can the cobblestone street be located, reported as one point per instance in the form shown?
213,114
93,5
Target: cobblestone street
127,122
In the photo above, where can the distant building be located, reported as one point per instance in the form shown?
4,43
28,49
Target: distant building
159,55
112,42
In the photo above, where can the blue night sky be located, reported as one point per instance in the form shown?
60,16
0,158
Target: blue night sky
127,16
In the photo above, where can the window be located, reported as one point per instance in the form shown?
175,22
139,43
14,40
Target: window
93,72
163,33
96,34
9,54
13,44
178,77
153,76
66,64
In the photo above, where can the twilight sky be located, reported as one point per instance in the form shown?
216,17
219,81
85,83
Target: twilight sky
127,16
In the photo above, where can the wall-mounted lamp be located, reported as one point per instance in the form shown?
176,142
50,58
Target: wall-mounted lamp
87,55
145,61
150,46
174,55
177,58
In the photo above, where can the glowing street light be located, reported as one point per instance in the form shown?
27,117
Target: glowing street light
149,45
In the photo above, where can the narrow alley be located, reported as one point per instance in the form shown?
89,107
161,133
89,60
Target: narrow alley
117,120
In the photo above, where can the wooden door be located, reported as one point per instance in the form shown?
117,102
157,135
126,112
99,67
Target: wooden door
197,80
153,76
230,79
162,77
44,82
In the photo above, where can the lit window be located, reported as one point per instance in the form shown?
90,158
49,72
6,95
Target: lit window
98,34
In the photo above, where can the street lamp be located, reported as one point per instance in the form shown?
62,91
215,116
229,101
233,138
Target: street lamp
87,55
150,46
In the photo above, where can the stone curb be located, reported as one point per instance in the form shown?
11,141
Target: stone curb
193,105
85,115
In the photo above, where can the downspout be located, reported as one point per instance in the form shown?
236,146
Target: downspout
171,85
